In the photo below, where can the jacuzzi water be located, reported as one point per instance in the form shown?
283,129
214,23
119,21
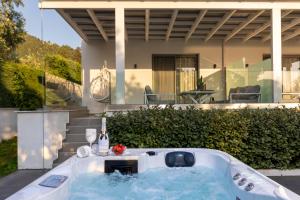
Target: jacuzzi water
176,183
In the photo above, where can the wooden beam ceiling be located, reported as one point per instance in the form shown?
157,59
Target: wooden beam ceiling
171,24
97,23
220,24
147,23
264,27
241,25
250,19
195,24
291,35
268,37
73,24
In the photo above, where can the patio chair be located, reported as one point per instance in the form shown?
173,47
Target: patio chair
247,94
151,98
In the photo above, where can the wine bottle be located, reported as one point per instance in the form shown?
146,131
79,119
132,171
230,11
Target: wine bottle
103,141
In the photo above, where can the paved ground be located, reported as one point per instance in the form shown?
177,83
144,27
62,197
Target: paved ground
17,180
290,182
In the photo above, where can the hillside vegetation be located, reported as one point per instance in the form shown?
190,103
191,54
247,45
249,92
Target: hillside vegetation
34,50
21,86
21,80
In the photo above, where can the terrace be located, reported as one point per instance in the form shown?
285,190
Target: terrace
234,48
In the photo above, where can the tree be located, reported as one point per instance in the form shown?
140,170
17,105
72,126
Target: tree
11,28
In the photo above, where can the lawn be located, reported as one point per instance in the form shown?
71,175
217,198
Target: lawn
8,156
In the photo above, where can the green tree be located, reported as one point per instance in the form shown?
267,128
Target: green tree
11,28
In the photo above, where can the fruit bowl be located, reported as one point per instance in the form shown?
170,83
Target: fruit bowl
118,149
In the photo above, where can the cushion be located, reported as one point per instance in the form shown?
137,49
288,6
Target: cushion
246,89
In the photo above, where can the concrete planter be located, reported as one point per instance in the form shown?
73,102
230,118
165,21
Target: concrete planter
40,136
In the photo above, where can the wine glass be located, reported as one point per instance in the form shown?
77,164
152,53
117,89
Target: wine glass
90,136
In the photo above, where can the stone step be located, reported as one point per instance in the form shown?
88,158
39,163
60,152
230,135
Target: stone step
124,107
81,129
75,138
82,112
85,121
62,156
71,147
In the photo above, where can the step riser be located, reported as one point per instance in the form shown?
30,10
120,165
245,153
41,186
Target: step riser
63,156
85,122
81,129
80,113
72,147
75,138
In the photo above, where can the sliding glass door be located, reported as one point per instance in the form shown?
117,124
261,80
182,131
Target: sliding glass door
173,74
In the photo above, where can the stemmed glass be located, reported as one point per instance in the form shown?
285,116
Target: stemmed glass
90,136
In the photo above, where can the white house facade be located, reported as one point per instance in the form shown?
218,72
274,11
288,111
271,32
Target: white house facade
232,46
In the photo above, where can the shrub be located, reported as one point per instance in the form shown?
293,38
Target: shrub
64,68
268,138
25,98
8,156
20,86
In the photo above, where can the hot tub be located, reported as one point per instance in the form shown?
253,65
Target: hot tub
157,174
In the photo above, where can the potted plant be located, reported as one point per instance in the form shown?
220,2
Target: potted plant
201,84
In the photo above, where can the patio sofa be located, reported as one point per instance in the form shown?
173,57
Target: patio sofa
152,98
247,94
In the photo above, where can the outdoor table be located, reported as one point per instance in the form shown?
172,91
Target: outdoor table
197,96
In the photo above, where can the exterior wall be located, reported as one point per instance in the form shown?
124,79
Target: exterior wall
8,123
139,53
40,135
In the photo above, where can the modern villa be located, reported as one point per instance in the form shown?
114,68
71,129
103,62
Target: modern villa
217,63
243,51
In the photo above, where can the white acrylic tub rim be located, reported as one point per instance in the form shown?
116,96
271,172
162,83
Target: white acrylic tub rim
74,166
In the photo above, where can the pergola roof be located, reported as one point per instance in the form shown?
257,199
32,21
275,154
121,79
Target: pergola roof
185,24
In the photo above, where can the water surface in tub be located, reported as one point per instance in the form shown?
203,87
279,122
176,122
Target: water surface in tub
156,184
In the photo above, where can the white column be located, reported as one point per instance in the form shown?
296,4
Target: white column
276,55
120,55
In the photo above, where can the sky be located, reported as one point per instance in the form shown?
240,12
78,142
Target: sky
56,30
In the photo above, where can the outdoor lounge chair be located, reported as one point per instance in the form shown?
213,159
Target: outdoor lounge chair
151,98
247,94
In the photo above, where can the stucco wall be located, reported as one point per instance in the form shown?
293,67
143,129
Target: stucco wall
140,53
8,123
40,135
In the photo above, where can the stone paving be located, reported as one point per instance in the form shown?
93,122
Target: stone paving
17,180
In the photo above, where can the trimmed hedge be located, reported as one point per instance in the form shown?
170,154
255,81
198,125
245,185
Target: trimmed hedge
262,138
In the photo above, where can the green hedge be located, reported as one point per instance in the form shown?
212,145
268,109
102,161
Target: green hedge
262,138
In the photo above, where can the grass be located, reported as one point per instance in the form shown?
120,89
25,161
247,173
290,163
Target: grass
8,156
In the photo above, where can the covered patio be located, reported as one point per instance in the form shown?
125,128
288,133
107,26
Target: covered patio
234,44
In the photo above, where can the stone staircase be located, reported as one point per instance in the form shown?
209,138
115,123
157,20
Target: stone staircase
75,134
80,119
